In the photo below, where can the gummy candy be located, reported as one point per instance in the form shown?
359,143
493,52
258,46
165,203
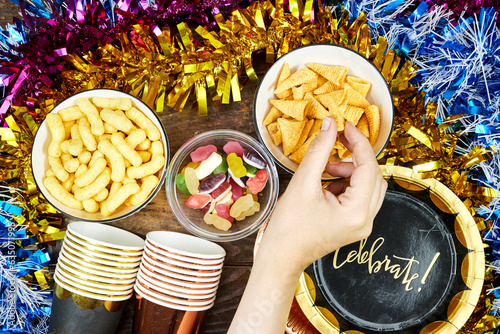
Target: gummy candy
193,165
236,189
251,170
227,199
236,166
258,182
198,201
219,222
209,207
208,165
223,212
253,158
255,208
180,182
221,191
211,183
202,153
234,147
242,204
238,181
191,180
222,168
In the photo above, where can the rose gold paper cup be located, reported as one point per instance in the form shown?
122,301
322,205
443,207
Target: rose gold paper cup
176,288
179,257
178,282
152,318
107,236
173,292
186,245
152,267
146,294
199,265
181,270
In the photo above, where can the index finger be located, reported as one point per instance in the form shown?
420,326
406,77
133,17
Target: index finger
366,172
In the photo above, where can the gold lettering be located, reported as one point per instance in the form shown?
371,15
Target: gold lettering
362,256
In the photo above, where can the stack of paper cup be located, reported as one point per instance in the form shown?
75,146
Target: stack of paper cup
179,274
97,262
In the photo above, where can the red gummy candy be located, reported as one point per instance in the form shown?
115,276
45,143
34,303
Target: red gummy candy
221,191
202,153
234,147
198,201
223,212
258,182
236,189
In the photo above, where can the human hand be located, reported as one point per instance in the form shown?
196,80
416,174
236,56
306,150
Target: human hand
309,221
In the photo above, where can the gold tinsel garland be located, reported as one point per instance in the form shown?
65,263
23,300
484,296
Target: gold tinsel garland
165,67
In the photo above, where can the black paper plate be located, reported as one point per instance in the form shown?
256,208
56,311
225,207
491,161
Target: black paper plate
420,271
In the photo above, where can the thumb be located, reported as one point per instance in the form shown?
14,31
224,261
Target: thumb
314,162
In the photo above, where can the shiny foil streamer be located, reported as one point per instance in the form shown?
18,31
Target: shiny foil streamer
182,54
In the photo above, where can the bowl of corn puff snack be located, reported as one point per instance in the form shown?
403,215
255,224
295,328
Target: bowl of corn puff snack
100,155
316,81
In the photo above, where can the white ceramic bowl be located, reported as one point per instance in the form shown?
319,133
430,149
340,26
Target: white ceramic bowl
40,164
326,54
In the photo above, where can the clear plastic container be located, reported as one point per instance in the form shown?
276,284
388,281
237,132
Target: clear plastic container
192,219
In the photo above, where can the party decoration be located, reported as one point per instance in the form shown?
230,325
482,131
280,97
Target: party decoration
440,58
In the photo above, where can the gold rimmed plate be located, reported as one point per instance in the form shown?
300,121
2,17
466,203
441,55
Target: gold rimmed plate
420,271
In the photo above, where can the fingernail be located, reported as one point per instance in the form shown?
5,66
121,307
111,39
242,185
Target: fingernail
334,162
326,123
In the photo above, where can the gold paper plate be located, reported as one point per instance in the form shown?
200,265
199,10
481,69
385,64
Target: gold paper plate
459,304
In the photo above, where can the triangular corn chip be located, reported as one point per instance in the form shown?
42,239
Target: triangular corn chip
354,98
291,108
311,85
298,92
336,97
284,74
300,77
360,85
290,133
328,87
315,109
321,80
299,154
353,114
338,115
287,94
272,116
373,116
335,74
304,134
338,145
363,126
316,127
275,132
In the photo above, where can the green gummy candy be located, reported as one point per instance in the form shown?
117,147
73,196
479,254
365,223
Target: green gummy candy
180,182
222,168
251,170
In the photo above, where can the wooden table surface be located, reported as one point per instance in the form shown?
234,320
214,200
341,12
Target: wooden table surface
157,215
